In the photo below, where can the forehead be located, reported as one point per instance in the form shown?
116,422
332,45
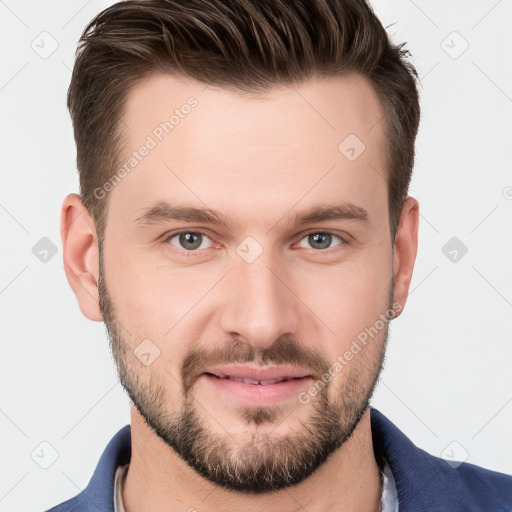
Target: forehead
320,141
330,107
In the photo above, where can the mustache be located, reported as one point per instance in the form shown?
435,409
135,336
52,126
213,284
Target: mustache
284,351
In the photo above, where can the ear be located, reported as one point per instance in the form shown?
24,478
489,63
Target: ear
81,257
404,254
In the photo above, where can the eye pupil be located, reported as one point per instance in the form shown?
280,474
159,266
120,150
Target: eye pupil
190,241
323,239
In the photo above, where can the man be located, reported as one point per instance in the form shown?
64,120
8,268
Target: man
245,233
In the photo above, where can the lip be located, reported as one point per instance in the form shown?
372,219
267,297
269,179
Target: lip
259,373
257,395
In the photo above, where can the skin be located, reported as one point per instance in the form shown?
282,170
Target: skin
257,161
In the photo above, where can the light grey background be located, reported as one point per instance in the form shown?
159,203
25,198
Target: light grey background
447,379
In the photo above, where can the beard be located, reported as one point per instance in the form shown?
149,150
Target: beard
260,462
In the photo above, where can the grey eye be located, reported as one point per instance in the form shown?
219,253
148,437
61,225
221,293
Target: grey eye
320,240
188,240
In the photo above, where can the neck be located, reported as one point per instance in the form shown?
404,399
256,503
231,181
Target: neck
158,480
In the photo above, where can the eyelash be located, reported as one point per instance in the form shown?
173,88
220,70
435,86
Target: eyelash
197,252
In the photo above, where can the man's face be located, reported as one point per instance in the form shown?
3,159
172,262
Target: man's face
190,296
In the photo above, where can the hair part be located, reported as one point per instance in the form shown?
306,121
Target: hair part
245,46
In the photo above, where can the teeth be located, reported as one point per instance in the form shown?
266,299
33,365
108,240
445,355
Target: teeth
253,381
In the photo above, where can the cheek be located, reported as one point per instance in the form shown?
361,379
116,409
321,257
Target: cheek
349,297
158,302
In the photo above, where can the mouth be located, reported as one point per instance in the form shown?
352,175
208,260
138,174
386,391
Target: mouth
256,382
256,386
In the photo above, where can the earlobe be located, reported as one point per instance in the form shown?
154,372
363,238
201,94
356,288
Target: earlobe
80,254
406,247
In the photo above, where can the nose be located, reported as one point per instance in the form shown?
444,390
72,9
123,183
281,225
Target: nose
259,304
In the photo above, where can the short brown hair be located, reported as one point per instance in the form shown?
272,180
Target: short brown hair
243,45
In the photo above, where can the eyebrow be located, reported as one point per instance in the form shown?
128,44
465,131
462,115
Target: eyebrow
164,212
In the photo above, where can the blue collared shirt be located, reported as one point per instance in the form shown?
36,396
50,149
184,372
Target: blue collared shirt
424,483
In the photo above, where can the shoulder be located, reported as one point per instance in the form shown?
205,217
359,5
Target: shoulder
426,482
467,484
99,493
